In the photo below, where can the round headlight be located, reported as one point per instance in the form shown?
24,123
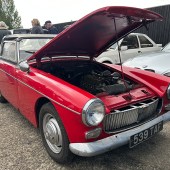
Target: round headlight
93,112
168,92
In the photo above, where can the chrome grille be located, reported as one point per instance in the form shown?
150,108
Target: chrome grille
146,110
130,115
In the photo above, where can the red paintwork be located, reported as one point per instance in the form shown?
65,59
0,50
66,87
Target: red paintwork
155,82
118,101
24,90
95,32
68,95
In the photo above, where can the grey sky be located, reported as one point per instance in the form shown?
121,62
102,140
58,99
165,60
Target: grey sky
66,10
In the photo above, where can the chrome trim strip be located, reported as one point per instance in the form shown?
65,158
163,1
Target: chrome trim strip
8,74
41,93
18,52
114,141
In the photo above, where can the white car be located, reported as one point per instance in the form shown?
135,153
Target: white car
158,62
131,46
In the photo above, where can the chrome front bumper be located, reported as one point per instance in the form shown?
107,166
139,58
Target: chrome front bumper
115,141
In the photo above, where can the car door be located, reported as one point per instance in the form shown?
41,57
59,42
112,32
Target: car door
131,41
146,45
8,78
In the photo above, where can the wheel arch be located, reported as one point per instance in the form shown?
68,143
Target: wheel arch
40,102
105,59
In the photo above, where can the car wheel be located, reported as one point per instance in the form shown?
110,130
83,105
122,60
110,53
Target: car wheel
2,99
53,134
106,62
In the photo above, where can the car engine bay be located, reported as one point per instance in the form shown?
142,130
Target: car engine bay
90,76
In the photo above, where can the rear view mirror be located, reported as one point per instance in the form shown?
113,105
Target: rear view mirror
24,66
124,48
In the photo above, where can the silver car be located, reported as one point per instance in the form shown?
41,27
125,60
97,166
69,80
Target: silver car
131,46
158,62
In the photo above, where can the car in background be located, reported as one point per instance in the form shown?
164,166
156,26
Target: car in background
21,31
131,46
25,31
81,106
157,62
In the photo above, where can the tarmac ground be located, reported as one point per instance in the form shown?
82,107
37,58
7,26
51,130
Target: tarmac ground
21,149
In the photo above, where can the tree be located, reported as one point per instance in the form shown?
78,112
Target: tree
9,14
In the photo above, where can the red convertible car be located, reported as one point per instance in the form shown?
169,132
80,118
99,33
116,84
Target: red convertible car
81,106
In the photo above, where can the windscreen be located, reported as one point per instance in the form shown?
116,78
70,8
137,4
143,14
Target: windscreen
29,46
114,46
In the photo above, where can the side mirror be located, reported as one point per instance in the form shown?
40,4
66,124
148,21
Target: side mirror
24,66
124,48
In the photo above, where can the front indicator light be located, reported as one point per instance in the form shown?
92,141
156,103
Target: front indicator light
93,133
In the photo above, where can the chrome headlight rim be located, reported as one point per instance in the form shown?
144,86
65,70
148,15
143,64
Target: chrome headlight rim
167,74
85,111
168,92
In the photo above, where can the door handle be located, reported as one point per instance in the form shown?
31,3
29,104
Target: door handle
139,51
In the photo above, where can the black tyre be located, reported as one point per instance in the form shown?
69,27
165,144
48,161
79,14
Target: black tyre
53,134
2,99
106,62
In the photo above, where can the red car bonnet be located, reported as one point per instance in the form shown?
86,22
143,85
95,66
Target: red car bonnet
97,31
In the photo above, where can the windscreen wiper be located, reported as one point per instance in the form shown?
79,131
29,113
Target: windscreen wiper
31,52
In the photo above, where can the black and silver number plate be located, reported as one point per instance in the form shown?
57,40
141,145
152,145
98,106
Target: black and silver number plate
145,134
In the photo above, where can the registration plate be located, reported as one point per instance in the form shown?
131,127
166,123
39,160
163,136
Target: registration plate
145,134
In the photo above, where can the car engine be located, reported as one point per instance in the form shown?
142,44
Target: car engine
91,76
105,81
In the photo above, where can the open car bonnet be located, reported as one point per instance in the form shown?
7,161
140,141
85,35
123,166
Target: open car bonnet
96,32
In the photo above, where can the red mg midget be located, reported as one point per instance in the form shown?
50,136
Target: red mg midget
81,106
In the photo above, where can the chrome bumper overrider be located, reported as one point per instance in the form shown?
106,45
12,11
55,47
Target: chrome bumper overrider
115,141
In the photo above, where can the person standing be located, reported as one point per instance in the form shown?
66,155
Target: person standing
51,29
3,30
36,28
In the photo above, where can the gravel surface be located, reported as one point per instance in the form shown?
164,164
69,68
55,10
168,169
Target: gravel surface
21,149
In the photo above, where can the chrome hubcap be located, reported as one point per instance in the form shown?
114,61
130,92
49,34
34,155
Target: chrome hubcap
52,133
